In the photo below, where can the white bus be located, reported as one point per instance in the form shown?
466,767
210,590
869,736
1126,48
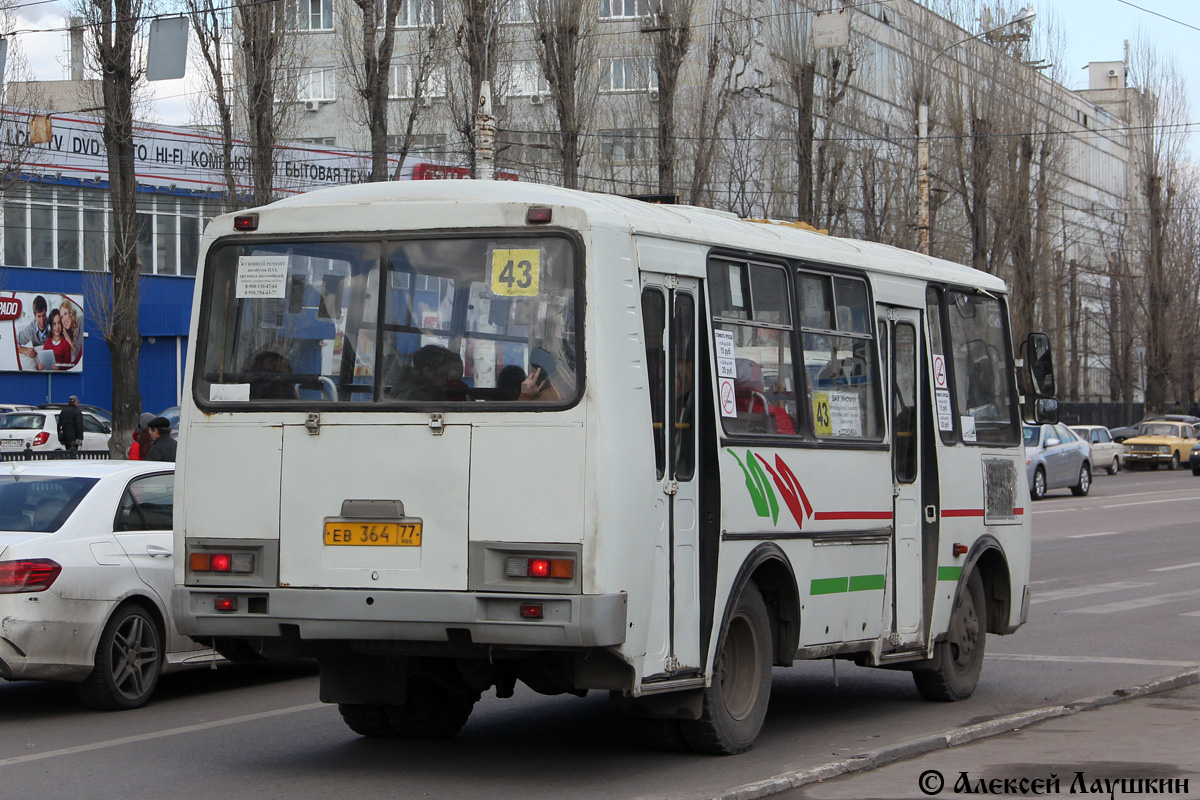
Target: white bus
443,436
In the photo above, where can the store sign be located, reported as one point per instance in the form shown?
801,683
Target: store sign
41,332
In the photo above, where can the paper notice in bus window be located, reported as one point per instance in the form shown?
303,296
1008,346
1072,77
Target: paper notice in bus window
944,415
261,276
968,428
845,414
229,392
726,354
516,273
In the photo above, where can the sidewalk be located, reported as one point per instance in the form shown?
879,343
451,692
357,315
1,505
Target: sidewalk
1149,736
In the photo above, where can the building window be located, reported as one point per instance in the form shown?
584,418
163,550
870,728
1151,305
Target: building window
624,9
626,146
519,11
430,146
315,15
418,13
325,141
67,236
529,148
402,80
627,75
317,84
16,227
525,79
41,226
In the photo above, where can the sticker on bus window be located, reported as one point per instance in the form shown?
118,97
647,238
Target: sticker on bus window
516,273
968,428
229,392
944,414
261,276
837,414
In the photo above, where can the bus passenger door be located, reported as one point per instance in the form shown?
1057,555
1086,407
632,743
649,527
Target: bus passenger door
904,407
669,317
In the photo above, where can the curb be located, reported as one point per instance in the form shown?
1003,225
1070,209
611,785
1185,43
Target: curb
959,736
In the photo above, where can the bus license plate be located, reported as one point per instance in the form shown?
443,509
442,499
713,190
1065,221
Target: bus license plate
373,534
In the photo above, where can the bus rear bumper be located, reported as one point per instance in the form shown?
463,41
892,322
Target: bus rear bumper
403,616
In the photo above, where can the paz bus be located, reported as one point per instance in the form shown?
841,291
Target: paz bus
444,436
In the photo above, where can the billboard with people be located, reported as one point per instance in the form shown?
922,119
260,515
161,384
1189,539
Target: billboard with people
41,332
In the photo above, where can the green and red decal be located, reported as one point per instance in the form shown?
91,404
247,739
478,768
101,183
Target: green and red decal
762,495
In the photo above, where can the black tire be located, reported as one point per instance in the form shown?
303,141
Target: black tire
1085,481
129,661
1037,489
960,653
430,712
735,704
370,721
1115,466
1154,466
1174,463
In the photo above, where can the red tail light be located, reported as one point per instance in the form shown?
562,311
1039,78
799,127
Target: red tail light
41,439
28,575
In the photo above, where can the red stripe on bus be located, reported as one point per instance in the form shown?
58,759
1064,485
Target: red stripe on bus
852,515
962,512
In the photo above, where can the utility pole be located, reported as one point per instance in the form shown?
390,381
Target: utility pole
485,135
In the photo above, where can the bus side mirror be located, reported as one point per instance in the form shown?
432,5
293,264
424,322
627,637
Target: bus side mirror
1039,364
1045,411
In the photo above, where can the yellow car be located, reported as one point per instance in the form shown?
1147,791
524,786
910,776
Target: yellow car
1160,442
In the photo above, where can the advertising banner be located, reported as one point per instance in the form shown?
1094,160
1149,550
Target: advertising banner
41,331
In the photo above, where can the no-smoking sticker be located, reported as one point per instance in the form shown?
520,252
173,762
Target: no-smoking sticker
939,372
728,398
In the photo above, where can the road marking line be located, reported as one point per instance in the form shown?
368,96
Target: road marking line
1089,535
1190,614
1151,502
1054,510
142,737
1084,591
1140,602
1177,566
1145,662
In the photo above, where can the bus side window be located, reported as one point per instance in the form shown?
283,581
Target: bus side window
654,323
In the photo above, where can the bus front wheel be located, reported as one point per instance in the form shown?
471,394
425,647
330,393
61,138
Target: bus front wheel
959,657
735,704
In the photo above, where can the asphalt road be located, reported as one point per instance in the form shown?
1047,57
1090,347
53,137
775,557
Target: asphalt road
1117,602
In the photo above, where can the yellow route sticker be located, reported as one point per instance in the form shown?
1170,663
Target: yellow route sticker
515,273
821,415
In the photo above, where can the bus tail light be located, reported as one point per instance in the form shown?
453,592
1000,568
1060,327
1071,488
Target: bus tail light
225,604
220,562
245,222
28,575
531,611
521,567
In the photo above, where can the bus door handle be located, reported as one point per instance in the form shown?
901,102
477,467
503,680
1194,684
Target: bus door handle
931,513
670,486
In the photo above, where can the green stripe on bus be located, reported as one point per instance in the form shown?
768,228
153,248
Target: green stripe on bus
949,573
866,583
829,585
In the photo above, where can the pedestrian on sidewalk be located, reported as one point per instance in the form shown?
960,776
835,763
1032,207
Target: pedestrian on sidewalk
70,426
164,446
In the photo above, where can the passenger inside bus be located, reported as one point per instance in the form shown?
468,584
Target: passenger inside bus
750,394
264,370
435,375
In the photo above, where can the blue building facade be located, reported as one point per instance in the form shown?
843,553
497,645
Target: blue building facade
164,312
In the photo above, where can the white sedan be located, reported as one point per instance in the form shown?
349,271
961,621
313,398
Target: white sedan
86,577
37,430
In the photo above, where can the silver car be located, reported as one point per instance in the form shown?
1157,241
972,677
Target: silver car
1055,458
1106,453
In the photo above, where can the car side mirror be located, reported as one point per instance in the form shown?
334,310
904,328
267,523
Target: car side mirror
105,428
1052,441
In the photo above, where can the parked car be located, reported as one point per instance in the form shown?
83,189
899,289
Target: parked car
1121,434
1056,458
90,542
6,408
1106,453
1162,442
37,430
100,413
172,414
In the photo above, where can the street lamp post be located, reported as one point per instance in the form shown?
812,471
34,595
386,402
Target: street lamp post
1025,15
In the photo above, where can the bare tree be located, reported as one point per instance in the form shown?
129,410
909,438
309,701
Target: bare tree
211,22
482,44
1160,115
421,62
566,45
669,25
264,28
368,62
115,27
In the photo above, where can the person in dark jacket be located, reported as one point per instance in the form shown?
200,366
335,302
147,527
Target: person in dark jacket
70,426
163,448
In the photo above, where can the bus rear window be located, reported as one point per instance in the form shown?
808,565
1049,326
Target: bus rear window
402,322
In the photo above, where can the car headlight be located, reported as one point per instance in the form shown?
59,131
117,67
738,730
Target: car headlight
1162,448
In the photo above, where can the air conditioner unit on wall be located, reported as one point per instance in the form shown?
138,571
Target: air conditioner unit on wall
1112,73
312,105
536,99
426,101
653,95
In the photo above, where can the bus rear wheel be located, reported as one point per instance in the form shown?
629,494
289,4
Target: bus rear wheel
735,704
960,655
